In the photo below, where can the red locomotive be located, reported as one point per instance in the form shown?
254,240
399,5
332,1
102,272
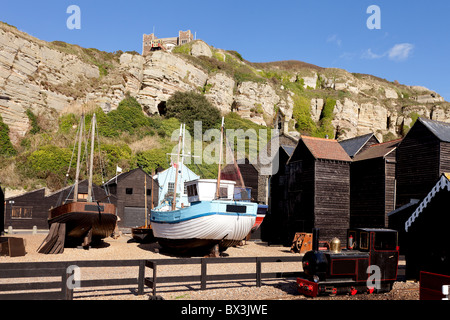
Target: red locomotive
368,264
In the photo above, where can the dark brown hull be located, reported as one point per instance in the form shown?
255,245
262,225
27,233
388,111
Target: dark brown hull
188,246
143,234
80,217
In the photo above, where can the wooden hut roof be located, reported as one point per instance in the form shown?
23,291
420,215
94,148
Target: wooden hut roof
378,150
440,129
327,149
124,175
353,145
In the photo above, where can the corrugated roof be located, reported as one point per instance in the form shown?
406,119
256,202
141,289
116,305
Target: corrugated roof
440,129
326,149
378,150
353,145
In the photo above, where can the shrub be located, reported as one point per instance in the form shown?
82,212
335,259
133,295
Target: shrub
325,127
67,122
128,117
188,107
49,159
302,115
34,123
152,159
6,147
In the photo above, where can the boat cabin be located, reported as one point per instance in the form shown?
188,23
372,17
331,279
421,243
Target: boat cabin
205,190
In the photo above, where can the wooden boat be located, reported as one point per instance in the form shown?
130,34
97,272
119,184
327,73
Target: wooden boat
213,218
143,234
84,220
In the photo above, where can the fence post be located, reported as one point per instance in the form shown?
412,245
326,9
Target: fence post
258,272
203,274
141,277
151,283
67,291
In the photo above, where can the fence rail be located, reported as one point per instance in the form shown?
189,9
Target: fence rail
61,270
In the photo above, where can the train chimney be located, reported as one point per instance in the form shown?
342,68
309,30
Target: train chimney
315,233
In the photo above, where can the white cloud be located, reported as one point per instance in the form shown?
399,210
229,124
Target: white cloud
334,39
368,54
400,52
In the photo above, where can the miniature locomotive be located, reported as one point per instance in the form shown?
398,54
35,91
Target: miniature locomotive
368,264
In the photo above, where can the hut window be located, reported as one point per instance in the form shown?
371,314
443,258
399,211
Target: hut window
82,196
170,187
129,190
149,192
21,212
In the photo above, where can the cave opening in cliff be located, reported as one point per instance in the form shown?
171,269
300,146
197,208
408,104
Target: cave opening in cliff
162,108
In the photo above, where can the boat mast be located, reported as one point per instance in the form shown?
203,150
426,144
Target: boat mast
236,166
174,202
77,176
220,160
91,160
145,199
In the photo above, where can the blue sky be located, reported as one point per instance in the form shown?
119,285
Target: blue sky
412,45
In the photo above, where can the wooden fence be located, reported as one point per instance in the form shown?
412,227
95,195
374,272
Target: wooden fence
60,290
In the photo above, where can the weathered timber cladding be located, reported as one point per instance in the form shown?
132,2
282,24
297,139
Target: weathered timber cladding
418,164
276,220
445,158
373,185
312,191
368,193
129,194
2,211
32,208
300,186
390,188
332,198
250,175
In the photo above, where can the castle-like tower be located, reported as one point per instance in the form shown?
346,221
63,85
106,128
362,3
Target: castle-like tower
169,43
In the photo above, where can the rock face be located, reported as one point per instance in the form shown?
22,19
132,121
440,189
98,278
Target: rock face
27,69
39,76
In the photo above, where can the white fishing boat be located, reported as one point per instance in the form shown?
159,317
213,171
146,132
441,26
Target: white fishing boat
213,217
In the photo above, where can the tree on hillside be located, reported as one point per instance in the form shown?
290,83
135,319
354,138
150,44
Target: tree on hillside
191,106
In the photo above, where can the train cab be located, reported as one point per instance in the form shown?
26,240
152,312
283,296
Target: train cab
367,263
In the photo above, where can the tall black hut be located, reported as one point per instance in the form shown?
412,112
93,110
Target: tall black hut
422,157
276,222
318,188
372,180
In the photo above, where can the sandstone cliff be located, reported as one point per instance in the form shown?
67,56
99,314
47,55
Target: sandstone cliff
49,78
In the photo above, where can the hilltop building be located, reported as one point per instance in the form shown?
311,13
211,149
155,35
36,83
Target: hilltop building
169,43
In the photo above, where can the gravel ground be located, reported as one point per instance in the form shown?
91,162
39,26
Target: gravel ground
124,248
